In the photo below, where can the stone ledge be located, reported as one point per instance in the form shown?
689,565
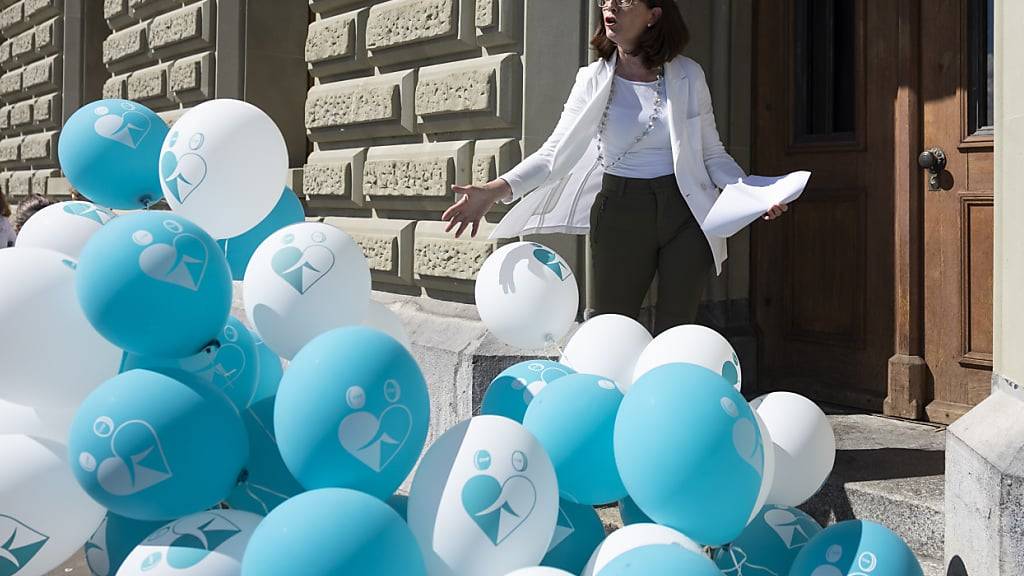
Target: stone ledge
370,107
475,94
336,175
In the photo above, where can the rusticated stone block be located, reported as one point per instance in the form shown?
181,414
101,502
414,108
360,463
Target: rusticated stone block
331,39
10,150
486,13
335,174
182,28
487,88
12,19
43,180
440,255
148,84
386,243
5,118
140,9
416,170
191,79
116,87
22,44
21,184
21,114
39,147
457,91
42,76
10,84
38,10
49,36
46,110
366,107
499,22
5,54
115,9
493,157
381,251
401,22
128,43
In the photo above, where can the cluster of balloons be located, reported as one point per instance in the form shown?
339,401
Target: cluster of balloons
169,439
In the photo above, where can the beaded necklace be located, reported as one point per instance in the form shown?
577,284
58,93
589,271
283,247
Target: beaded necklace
659,102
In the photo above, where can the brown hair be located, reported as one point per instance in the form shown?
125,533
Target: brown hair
5,207
28,207
663,41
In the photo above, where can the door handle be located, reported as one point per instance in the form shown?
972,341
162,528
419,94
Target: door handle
934,161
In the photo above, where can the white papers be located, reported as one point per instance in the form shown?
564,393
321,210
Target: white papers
742,203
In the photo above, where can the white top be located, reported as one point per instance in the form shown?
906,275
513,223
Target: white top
628,114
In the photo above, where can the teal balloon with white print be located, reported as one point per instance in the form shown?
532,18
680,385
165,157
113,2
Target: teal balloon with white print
270,373
352,412
856,547
304,280
331,532
769,544
230,364
527,295
578,532
109,150
113,541
575,422
692,344
690,452
149,447
207,543
267,482
64,227
484,501
154,284
511,392
223,165
660,560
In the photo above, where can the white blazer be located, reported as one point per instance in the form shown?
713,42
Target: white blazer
561,179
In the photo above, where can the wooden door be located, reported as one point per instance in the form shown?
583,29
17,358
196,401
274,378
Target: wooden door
956,97
822,276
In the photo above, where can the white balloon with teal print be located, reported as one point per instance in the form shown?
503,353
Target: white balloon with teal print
769,544
691,344
380,317
40,303
113,541
64,227
805,446
635,536
484,501
690,452
608,346
304,280
20,419
207,543
44,516
527,295
223,165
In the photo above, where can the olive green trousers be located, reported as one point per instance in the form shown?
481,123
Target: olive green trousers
643,227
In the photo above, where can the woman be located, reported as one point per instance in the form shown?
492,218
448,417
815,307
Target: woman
635,160
7,235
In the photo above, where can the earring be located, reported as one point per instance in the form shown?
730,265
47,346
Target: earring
649,25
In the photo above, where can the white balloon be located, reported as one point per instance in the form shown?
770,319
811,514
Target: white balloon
64,227
484,500
607,345
56,358
382,318
302,281
768,472
45,516
634,536
527,295
18,419
223,165
539,571
209,543
691,344
805,446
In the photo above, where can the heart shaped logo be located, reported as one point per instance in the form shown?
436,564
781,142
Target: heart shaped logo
182,263
196,537
86,210
552,262
129,129
19,544
183,175
220,366
302,269
499,509
138,461
376,441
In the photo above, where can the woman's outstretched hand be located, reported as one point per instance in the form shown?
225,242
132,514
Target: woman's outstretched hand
474,203
775,211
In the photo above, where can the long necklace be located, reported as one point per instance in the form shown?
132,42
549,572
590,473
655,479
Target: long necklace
659,103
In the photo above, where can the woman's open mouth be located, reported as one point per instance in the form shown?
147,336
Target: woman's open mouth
610,21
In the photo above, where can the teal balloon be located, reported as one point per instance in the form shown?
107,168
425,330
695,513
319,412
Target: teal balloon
856,547
229,364
352,412
113,541
239,249
512,391
690,452
632,514
333,531
660,560
400,503
769,544
578,532
109,150
154,284
267,482
149,447
575,422
270,372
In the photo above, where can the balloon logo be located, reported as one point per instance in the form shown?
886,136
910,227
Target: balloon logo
789,527
181,262
219,365
191,540
129,128
183,175
137,460
499,508
866,563
372,439
730,370
563,529
745,436
19,544
548,258
89,211
97,558
303,268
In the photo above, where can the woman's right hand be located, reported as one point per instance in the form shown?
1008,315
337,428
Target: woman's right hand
473,205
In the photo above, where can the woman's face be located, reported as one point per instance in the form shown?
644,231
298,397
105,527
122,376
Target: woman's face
626,20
